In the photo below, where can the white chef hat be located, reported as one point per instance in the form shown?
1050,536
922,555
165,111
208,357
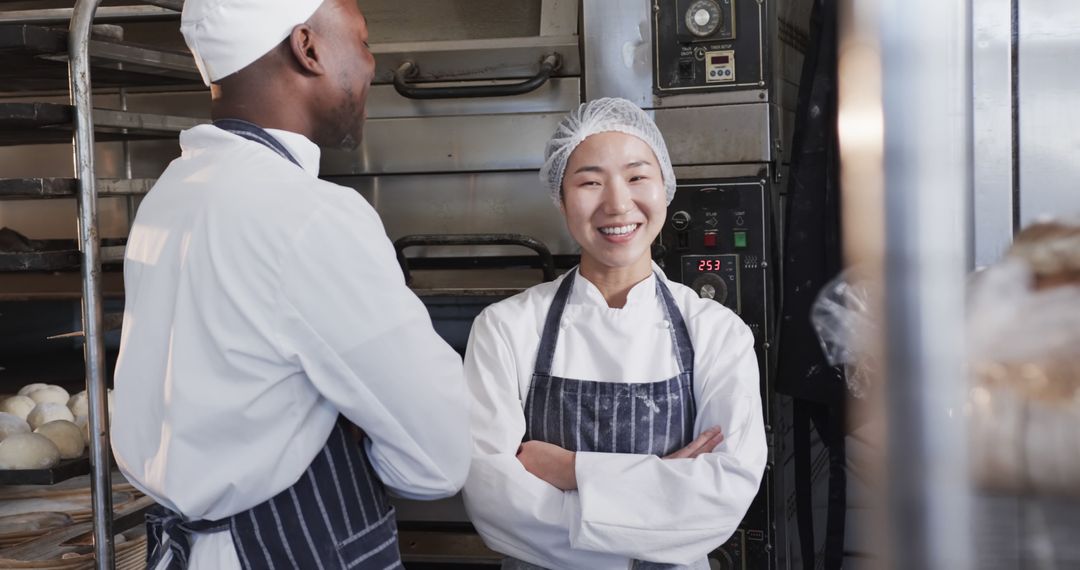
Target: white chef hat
226,36
610,114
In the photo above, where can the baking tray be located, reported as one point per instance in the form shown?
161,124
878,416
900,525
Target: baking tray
66,469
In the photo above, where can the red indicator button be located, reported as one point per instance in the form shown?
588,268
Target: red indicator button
710,239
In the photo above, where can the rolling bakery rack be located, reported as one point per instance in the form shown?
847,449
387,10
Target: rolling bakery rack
36,57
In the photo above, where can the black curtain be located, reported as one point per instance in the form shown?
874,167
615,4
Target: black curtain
812,257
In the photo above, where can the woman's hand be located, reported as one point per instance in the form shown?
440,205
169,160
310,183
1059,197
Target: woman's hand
550,463
704,443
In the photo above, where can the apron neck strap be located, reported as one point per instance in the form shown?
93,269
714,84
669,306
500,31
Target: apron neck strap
546,354
255,133
680,335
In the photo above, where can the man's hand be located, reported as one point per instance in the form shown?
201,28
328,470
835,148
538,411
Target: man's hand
550,463
704,443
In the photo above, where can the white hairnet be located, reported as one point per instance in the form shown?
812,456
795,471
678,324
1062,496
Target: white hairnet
226,36
609,114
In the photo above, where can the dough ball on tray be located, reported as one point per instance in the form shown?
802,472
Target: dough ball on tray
18,405
45,413
25,390
50,395
28,451
11,424
66,436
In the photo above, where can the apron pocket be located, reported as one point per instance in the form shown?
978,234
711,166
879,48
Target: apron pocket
374,547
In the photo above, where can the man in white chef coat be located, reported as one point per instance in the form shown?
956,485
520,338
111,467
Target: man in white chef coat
265,307
637,401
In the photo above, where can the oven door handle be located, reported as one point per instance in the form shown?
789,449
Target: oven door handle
547,262
409,69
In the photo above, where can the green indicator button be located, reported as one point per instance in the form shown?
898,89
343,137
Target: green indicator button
740,239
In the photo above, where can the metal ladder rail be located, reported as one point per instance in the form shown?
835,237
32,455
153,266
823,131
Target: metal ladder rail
82,18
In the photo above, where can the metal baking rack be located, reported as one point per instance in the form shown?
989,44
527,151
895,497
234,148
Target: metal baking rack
44,51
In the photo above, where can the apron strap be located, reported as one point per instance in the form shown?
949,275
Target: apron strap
166,530
680,334
255,133
546,353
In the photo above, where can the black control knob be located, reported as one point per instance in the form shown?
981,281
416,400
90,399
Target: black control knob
710,286
680,220
703,18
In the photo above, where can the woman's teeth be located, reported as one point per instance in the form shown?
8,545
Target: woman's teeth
619,230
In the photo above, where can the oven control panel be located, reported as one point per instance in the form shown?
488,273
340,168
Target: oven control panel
707,45
718,241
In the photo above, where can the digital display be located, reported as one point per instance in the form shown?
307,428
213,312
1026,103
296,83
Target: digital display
720,59
709,265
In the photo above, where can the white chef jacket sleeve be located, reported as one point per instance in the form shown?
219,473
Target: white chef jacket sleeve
367,344
677,511
515,512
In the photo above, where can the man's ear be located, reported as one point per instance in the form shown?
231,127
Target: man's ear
305,47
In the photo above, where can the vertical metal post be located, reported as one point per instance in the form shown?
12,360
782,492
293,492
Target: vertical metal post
89,243
926,107
129,200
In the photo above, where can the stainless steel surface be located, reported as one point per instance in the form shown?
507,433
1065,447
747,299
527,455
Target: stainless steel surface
174,5
89,244
112,254
437,20
487,202
558,95
105,14
499,58
494,284
140,59
715,135
446,144
559,17
926,104
31,188
700,172
145,60
617,49
1049,116
992,66
145,122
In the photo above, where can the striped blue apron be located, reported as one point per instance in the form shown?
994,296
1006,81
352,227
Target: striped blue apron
612,417
335,517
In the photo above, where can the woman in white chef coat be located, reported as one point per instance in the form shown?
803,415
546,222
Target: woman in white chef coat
616,416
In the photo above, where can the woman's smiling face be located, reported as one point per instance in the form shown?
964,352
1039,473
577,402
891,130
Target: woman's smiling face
614,199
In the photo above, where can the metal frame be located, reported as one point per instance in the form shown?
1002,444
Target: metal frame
82,19
926,104
993,129
106,14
